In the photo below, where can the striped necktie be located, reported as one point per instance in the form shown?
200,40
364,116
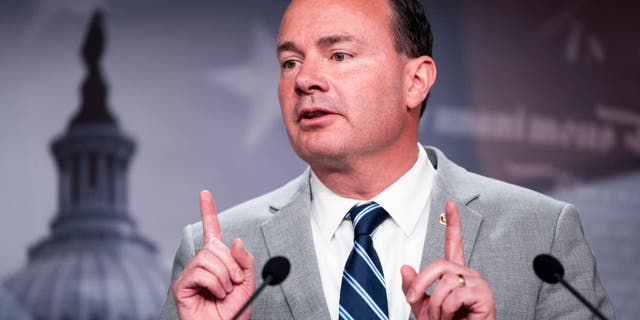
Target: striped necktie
363,293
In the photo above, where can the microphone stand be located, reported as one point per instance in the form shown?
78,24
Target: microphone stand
264,283
579,296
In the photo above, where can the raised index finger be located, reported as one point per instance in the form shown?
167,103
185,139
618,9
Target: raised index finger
453,250
210,224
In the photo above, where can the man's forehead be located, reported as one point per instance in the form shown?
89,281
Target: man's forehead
352,2
315,8
327,21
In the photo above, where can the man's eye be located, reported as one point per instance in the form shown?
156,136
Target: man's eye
340,56
289,64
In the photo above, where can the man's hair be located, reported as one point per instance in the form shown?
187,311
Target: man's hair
411,32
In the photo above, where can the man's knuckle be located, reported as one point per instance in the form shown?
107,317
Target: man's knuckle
450,280
439,263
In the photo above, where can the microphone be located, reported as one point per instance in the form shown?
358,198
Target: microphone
274,272
550,270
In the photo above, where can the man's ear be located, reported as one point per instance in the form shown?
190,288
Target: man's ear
420,75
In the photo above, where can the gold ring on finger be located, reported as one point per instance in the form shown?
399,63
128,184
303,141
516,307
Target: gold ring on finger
461,281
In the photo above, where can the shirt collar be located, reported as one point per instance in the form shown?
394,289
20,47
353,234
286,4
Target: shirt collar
328,209
404,200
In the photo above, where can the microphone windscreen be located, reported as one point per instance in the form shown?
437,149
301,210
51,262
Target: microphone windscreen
277,268
548,268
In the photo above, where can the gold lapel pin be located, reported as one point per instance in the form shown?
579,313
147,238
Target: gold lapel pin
443,219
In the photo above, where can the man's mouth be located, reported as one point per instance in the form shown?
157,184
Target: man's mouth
312,114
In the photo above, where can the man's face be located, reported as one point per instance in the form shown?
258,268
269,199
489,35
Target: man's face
342,84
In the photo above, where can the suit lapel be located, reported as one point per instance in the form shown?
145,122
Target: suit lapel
442,191
434,242
288,233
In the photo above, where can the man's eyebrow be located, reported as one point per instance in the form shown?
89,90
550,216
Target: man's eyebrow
333,39
322,42
288,46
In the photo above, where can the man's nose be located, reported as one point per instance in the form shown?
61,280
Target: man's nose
311,78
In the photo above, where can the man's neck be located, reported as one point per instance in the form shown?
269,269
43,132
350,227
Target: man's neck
365,177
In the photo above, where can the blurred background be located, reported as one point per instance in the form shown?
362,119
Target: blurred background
104,149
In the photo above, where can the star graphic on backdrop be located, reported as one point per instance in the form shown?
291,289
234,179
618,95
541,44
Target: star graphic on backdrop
46,11
256,80
581,43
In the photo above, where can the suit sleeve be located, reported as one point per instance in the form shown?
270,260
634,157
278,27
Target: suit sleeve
185,252
571,248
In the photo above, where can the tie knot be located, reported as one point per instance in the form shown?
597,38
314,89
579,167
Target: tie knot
366,218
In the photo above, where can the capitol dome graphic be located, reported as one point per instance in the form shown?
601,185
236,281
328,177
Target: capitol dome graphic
93,264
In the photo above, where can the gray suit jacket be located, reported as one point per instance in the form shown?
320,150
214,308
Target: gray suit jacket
504,227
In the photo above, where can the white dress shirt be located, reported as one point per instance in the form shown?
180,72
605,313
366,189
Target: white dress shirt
398,241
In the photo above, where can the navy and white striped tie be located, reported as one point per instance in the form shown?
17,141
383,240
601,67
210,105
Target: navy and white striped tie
363,294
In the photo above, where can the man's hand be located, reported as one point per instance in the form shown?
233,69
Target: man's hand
461,293
217,280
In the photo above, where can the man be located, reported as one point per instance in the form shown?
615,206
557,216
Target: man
354,79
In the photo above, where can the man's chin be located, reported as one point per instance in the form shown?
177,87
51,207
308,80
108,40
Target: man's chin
322,155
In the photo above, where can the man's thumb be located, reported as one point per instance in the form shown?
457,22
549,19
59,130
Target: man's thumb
243,257
408,274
